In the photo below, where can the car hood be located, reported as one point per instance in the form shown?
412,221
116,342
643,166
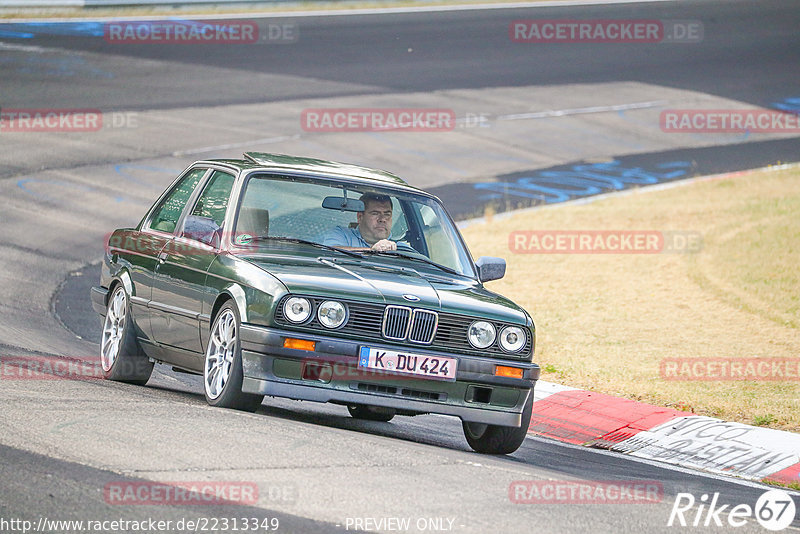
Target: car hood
388,283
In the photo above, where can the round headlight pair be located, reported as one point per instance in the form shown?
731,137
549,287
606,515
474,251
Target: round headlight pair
331,314
481,335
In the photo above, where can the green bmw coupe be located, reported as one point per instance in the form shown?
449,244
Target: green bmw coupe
308,279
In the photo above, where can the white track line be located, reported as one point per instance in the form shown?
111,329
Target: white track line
350,12
582,111
266,140
509,117
28,48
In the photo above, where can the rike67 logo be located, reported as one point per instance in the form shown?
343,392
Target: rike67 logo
774,510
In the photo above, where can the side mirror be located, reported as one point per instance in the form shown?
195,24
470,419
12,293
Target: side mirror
490,268
202,229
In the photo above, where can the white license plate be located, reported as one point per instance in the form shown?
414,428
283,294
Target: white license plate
409,364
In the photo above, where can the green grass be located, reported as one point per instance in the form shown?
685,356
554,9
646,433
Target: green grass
791,485
763,420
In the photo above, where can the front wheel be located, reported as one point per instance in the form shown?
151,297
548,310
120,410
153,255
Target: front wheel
495,439
222,371
121,357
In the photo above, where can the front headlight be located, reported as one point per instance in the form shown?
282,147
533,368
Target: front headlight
512,338
332,314
297,309
481,334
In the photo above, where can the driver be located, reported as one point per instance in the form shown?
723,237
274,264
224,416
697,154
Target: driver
373,230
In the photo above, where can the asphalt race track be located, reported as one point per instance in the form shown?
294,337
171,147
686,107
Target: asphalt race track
526,113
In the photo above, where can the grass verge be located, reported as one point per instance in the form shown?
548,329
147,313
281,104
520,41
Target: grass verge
605,322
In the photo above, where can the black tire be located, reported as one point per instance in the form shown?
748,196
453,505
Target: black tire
222,365
495,439
371,413
121,357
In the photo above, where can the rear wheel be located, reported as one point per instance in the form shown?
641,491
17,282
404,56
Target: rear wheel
222,371
370,413
121,357
495,439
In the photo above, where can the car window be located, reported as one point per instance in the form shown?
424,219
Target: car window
213,203
440,239
166,215
309,209
293,208
399,224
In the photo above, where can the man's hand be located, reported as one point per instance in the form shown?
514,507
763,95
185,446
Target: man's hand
384,244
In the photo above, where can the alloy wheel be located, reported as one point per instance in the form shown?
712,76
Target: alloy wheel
220,354
113,329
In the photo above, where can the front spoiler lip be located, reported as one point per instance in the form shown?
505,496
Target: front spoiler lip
258,342
99,299
319,394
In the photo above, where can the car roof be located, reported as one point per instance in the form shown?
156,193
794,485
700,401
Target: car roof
253,160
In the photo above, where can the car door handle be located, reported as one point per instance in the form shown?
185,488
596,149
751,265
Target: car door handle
162,257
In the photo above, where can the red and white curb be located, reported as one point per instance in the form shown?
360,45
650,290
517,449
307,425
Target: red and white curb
645,431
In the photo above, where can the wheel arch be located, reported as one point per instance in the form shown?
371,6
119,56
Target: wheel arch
232,292
121,277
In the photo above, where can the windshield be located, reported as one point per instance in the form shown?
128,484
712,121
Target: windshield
349,217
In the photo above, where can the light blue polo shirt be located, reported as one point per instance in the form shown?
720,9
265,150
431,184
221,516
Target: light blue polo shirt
351,237
344,237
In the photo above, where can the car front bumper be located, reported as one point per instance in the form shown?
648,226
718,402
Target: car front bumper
330,373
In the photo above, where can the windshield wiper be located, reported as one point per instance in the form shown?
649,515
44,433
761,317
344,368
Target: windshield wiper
418,258
284,239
